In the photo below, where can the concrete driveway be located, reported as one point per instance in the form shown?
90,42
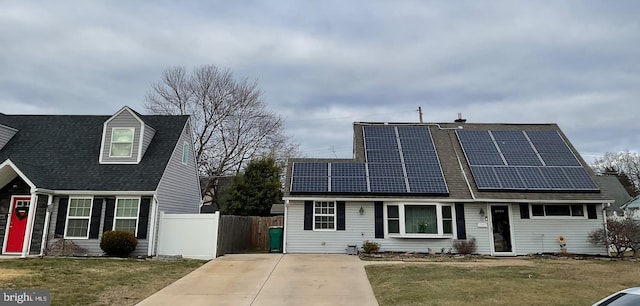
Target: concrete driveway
271,279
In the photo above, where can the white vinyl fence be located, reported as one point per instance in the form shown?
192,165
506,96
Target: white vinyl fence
190,235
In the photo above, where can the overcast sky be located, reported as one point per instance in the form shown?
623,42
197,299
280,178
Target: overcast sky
325,64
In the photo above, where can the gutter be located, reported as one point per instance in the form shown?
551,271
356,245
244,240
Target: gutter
284,239
152,239
93,192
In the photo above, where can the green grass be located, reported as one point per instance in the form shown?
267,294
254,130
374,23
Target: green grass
93,281
546,282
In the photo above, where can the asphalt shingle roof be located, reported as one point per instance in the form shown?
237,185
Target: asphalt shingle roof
61,152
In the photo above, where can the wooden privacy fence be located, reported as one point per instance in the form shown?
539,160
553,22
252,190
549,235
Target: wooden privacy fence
243,234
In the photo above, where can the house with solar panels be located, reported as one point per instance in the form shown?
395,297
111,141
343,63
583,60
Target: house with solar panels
515,188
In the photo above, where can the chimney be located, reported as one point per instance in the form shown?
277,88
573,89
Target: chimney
460,120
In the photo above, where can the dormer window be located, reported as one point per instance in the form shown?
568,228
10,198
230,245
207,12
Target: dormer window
122,142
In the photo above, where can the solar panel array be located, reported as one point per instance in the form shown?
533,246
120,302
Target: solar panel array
399,159
523,160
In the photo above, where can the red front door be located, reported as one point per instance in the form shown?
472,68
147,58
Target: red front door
17,224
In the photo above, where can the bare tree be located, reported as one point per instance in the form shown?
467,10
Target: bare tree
230,121
621,163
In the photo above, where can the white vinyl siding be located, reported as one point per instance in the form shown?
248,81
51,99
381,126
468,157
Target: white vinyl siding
78,218
359,227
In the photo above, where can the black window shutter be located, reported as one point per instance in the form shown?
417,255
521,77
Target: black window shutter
308,215
460,223
62,216
379,218
591,211
524,211
108,215
143,218
96,212
341,218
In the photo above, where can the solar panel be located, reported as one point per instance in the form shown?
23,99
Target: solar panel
522,159
420,157
423,170
416,144
380,143
310,169
487,159
383,156
533,178
348,169
414,132
580,178
427,185
309,184
388,184
556,178
379,131
485,177
560,159
352,184
509,178
386,169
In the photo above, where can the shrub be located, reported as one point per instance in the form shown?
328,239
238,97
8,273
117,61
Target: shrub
467,246
622,235
370,247
118,243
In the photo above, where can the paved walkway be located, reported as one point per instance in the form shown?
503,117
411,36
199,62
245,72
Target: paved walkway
271,279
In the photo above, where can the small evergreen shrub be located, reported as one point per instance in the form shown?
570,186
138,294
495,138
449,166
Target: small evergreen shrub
370,247
466,246
118,243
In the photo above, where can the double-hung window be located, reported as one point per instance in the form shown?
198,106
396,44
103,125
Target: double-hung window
324,216
126,216
78,218
122,142
558,210
419,220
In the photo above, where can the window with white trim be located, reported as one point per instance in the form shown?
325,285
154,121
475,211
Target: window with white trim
121,142
419,220
78,218
185,153
126,216
558,210
324,216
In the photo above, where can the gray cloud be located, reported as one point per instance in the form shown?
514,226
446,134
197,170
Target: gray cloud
325,64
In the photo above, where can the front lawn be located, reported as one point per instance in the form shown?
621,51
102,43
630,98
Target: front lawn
543,282
93,281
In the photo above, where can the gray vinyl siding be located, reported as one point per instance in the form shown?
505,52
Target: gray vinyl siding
149,132
179,188
358,228
5,135
540,235
92,246
123,120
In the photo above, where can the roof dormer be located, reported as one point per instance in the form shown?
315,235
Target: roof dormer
125,138
6,133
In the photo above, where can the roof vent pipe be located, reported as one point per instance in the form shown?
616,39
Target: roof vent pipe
460,120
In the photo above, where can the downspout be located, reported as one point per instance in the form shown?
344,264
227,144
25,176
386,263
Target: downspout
33,206
284,233
152,236
606,231
47,220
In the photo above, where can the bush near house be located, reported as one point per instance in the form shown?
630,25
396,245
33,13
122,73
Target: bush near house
622,235
118,243
465,246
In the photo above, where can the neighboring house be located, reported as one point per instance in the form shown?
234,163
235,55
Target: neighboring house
417,187
613,189
632,208
75,177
